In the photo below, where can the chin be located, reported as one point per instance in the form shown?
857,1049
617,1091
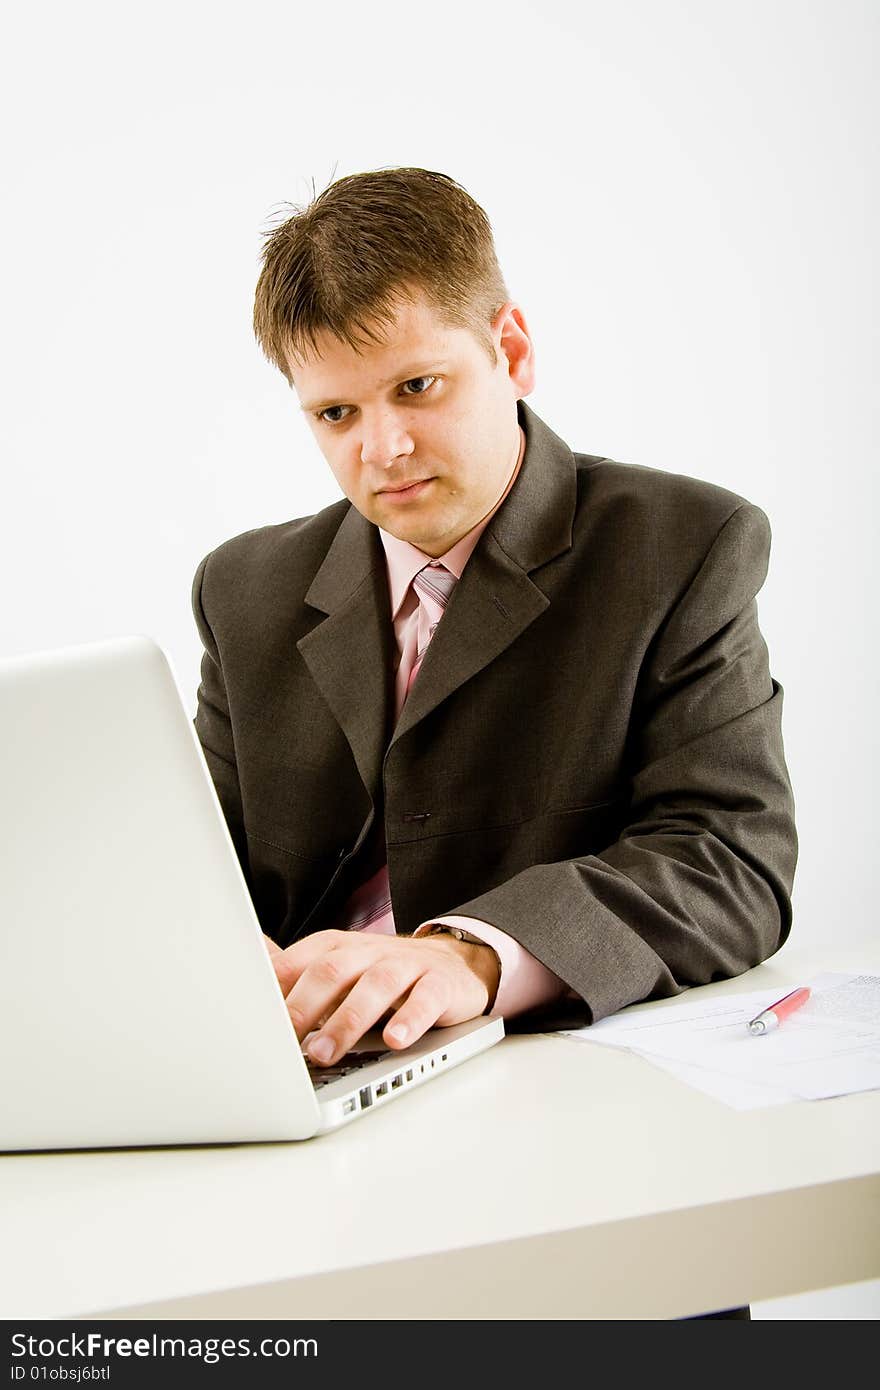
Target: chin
428,543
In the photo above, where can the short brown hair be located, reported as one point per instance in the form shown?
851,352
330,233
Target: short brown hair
342,262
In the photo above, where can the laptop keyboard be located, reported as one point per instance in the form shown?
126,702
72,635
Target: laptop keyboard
352,1061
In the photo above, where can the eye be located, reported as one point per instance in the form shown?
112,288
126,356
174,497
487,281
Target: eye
335,414
417,382
328,411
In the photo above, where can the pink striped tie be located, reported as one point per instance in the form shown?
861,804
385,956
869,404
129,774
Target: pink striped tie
433,584
369,907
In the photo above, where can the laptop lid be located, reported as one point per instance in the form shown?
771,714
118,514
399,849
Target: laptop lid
137,1001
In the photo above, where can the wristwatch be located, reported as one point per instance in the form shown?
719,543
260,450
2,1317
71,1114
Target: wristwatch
438,927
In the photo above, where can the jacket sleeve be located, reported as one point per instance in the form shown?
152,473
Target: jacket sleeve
697,885
214,726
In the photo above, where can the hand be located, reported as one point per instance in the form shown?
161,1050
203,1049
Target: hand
342,983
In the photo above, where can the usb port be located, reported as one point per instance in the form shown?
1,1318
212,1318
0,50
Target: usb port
349,1105
366,1097
396,1081
382,1089
409,1074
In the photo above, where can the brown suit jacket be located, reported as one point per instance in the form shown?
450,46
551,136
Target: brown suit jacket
591,758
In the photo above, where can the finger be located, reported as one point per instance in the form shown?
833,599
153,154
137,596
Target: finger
322,986
290,963
379,987
426,1003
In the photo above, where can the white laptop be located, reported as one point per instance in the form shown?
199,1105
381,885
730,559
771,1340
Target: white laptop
138,1005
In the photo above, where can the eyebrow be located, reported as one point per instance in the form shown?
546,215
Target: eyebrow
410,373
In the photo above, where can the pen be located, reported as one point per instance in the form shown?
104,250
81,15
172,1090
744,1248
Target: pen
772,1016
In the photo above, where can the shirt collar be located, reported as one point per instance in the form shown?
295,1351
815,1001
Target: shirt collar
403,560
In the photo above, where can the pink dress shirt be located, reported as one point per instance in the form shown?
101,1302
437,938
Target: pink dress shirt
525,982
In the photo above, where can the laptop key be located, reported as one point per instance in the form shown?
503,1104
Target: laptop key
352,1061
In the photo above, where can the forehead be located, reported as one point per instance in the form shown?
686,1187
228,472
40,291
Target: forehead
414,340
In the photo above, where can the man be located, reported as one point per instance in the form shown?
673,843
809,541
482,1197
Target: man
496,732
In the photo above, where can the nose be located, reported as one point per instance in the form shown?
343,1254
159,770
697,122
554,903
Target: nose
383,439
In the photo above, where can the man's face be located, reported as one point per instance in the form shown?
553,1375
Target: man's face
426,406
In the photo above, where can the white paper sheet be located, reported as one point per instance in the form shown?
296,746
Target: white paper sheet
829,1047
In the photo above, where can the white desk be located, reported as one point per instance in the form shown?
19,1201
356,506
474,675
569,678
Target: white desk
546,1179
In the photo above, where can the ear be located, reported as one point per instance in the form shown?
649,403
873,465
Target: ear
513,343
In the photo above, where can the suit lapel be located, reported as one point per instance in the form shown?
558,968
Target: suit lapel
351,654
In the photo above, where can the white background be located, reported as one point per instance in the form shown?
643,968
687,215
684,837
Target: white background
685,200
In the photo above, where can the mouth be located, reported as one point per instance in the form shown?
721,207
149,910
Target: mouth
407,490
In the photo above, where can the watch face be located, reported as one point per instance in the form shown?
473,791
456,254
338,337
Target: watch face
458,933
